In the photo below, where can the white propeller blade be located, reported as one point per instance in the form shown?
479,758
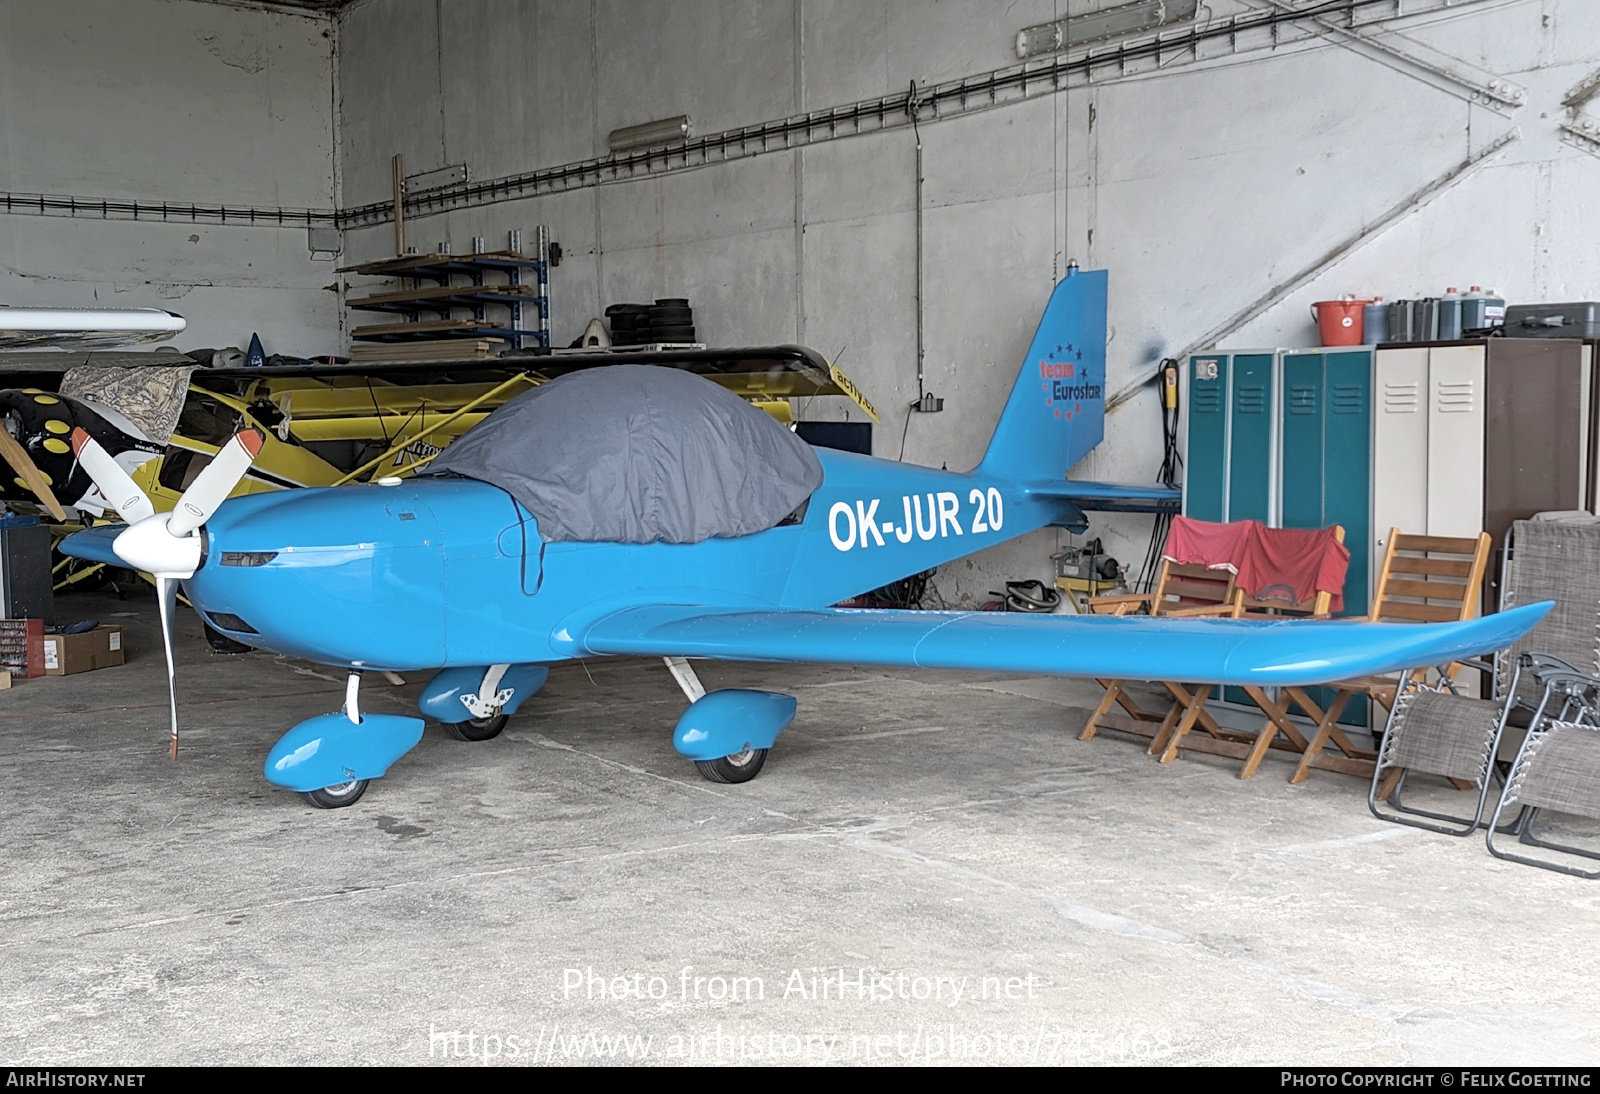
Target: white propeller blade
161,545
115,483
214,483
167,595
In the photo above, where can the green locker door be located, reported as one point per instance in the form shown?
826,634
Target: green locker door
1250,438
1206,456
1300,486
1327,467
1347,466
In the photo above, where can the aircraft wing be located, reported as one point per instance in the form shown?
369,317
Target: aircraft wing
94,544
85,328
1215,651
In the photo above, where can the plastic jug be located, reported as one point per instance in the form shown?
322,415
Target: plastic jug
1402,321
1450,315
1473,309
1494,309
1375,321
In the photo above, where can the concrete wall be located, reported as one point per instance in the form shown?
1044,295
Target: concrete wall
177,101
1200,189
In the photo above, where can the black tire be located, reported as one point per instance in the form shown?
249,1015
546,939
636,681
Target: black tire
672,334
739,768
672,301
337,797
478,729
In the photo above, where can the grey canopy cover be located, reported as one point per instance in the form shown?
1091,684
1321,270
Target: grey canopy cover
638,454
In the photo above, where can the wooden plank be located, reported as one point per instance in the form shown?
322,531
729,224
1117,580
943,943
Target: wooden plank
1443,545
1420,613
451,349
1455,592
1128,725
442,292
442,326
1184,590
389,267
1443,567
1344,765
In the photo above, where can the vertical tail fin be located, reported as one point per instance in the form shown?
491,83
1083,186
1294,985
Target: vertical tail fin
1056,412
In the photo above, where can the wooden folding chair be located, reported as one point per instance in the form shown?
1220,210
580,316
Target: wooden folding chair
1423,579
1277,731
1179,591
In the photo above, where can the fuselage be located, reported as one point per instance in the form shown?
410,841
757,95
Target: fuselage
438,572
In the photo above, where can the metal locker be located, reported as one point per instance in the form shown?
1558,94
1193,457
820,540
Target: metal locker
1205,455
1347,474
1230,435
1301,455
1326,465
1326,454
1455,440
1399,447
1250,437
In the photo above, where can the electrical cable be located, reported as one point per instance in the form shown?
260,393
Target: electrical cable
1171,465
910,410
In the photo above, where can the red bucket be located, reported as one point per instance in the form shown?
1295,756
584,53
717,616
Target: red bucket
1339,321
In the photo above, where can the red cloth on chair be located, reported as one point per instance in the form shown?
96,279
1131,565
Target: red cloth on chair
1204,543
1295,564
1289,564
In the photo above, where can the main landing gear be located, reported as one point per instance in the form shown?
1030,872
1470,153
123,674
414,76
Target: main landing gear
330,759
727,733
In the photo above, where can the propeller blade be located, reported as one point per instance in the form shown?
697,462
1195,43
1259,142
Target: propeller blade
107,474
215,482
167,595
29,473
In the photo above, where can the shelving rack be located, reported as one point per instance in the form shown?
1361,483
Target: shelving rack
461,283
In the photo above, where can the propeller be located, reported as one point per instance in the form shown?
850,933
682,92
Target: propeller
166,545
29,473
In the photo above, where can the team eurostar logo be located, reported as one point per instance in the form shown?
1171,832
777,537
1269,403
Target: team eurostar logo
1066,382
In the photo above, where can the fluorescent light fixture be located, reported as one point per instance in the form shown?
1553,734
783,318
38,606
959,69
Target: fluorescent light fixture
650,134
1100,25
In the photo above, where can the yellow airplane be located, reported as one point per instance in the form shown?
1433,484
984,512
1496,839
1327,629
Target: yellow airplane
324,424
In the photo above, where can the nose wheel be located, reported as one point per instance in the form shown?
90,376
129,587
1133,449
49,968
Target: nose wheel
741,767
337,796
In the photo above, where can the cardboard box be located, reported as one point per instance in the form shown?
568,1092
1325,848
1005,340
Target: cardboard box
100,648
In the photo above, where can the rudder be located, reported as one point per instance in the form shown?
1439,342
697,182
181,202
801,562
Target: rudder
1056,411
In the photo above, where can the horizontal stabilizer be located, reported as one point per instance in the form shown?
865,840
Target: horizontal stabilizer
1114,497
1214,651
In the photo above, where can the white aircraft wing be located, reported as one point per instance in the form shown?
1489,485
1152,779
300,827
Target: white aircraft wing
85,328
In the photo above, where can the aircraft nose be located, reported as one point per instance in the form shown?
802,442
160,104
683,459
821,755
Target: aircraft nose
340,576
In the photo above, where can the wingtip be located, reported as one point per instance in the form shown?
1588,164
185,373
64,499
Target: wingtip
79,438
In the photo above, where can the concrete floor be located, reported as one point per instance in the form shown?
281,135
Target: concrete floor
947,831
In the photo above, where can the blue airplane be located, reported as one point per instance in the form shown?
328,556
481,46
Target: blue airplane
451,574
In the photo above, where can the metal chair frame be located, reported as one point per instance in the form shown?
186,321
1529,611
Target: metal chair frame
1547,671
1582,701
